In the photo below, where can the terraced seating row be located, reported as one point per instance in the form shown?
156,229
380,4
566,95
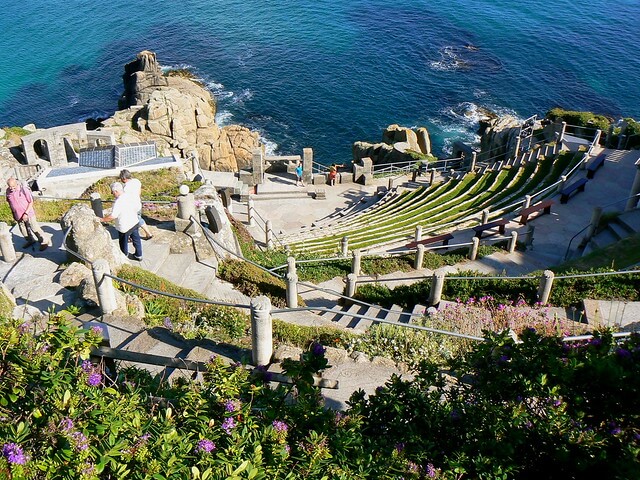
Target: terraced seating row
435,208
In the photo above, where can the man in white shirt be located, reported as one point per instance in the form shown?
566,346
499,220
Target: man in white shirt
134,187
125,213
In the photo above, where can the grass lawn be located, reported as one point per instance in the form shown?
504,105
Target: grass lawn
622,254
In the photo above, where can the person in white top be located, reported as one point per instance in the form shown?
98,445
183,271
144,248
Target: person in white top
133,186
125,213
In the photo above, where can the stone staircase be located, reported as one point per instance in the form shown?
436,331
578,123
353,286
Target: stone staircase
342,316
621,227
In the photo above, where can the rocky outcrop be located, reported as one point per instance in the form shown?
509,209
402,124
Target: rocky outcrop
398,144
89,238
207,196
499,136
179,115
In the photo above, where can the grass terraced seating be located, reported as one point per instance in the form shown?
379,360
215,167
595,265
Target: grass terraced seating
437,207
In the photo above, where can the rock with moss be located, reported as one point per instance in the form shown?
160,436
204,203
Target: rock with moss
399,144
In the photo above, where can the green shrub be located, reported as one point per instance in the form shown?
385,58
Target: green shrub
581,119
568,292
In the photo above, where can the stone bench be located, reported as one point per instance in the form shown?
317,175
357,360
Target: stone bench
544,205
500,224
595,164
444,238
577,186
320,194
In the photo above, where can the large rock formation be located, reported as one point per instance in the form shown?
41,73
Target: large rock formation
499,136
398,144
179,115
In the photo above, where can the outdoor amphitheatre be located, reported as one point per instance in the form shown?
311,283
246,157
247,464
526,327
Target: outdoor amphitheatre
405,257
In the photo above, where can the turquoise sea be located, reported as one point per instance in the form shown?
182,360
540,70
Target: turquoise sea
327,73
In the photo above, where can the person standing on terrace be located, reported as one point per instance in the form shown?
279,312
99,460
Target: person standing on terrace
134,187
125,213
20,200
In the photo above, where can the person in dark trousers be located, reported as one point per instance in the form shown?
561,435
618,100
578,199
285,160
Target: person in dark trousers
125,213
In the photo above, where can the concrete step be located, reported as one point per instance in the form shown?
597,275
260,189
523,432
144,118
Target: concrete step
224,292
394,313
282,195
365,323
175,266
603,239
619,230
417,312
199,276
630,220
348,321
332,314
154,255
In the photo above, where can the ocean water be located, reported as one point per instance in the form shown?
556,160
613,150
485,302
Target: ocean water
327,73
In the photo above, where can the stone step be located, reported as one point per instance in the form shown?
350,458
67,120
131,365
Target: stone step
282,195
619,230
347,321
224,292
603,239
394,313
417,312
199,276
175,266
631,220
365,323
332,314
154,255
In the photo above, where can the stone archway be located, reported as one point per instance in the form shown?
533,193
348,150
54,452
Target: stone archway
41,149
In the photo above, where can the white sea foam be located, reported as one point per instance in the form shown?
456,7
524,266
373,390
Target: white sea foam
177,66
244,95
223,117
270,146
95,114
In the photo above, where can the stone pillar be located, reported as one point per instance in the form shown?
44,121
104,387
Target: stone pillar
528,236
563,183
292,290
513,242
474,159
104,286
418,233
251,213
261,330
352,285
635,190
517,149
473,249
186,203
437,284
307,165
563,128
7,250
195,164
291,265
527,201
344,246
546,281
356,262
432,176
417,264
96,204
485,216
257,165
269,235
593,225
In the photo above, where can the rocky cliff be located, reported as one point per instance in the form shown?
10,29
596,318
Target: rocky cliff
179,115
398,144
499,136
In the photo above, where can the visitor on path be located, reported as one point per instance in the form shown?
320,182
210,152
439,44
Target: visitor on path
20,201
134,186
299,180
333,173
125,213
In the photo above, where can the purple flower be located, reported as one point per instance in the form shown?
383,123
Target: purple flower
24,327
14,454
503,359
280,426
206,446
317,349
167,323
596,342
97,330
66,425
232,405
80,441
94,379
412,467
228,425
400,447
87,366
623,353
431,471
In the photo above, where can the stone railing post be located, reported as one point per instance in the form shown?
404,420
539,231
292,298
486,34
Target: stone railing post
96,204
562,184
344,246
437,284
513,241
418,233
292,290
7,250
432,176
544,291
250,213
527,202
261,330
528,236
593,226
563,128
352,285
186,203
473,249
356,261
485,216
474,159
291,265
417,264
269,235
104,286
